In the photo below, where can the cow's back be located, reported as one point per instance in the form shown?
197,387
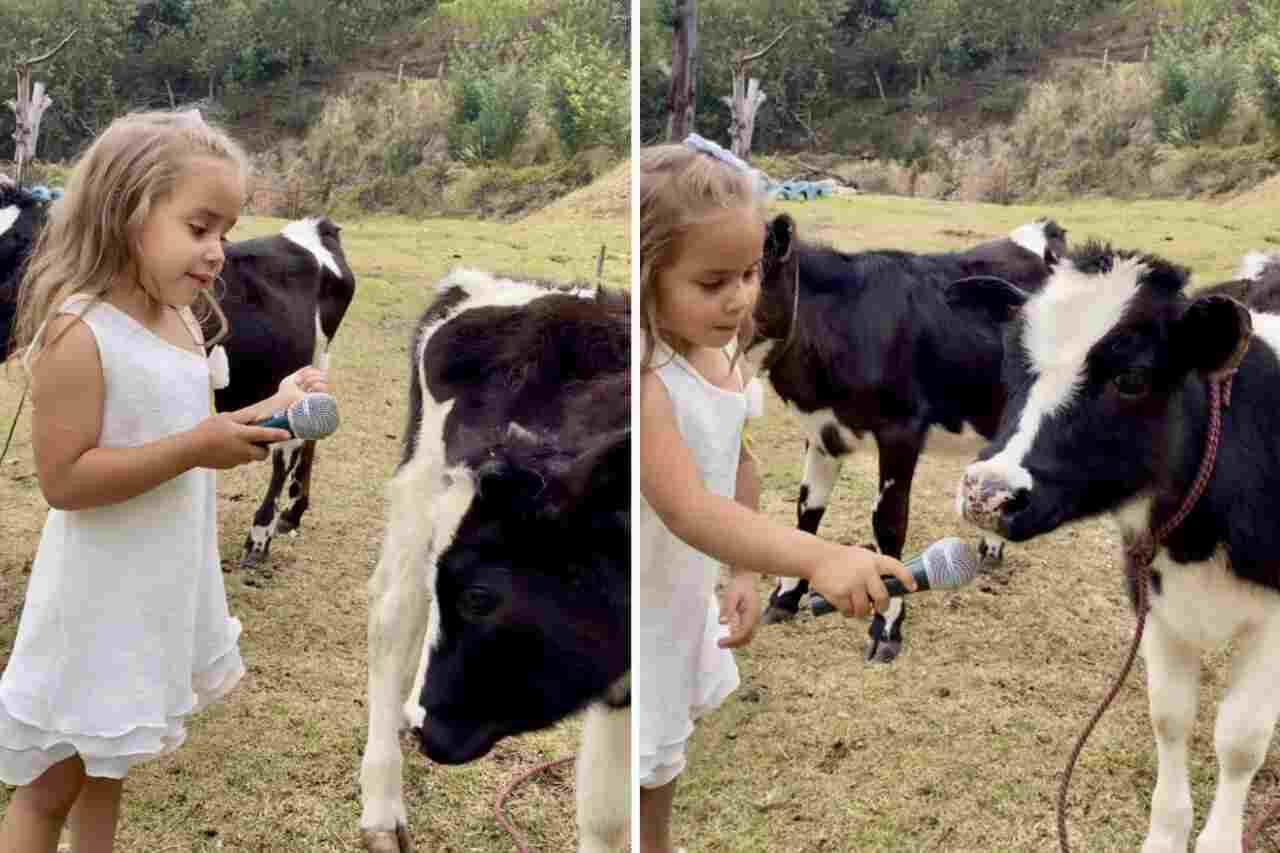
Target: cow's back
556,363
272,290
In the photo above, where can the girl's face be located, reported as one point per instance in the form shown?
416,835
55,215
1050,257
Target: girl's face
703,296
181,248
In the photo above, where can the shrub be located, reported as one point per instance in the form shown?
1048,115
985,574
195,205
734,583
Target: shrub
490,111
1196,93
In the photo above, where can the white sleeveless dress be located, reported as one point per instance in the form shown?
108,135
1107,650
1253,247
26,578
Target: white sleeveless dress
680,673
125,632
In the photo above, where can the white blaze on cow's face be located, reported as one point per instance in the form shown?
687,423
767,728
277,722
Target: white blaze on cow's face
1031,237
306,233
1060,326
1092,365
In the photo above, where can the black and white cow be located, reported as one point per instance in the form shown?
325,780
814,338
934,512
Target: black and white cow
1108,412
1257,284
507,546
866,343
284,297
21,217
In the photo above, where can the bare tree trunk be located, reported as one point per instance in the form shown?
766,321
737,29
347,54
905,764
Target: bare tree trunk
29,108
684,61
746,99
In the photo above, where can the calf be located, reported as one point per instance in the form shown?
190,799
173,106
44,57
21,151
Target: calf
866,342
1257,284
507,546
1107,372
284,299
21,217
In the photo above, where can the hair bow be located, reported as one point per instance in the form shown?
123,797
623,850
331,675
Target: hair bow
706,146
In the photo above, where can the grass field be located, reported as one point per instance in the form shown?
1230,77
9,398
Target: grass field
274,768
959,746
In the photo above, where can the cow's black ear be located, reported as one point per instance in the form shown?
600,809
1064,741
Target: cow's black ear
509,484
779,235
998,299
601,476
1213,334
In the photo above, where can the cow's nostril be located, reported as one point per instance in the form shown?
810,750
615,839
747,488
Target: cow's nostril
1018,501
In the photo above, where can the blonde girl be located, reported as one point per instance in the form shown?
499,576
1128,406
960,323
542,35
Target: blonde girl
125,631
702,234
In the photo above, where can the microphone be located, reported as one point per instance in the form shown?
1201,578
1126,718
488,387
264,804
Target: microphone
946,564
314,416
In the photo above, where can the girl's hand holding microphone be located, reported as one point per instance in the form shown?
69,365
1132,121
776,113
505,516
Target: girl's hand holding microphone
231,439
850,578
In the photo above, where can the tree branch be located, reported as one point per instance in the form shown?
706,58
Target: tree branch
753,57
50,54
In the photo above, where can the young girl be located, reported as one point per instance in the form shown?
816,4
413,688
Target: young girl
702,231
125,632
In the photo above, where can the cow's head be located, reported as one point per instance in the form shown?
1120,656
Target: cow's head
532,593
1095,367
21,217
778,283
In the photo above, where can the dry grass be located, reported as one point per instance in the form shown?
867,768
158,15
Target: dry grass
960,745
274,768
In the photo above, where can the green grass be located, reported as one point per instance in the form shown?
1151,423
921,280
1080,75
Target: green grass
274,768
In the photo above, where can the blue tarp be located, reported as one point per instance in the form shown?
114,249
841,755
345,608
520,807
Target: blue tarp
800,190
43,193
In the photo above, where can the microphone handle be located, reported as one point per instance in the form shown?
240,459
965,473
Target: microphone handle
896,588
280,420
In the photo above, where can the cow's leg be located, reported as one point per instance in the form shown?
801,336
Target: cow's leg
1173,676
297,486
990,551
257,546
1246,721
604,777
400,618
821,470
900,447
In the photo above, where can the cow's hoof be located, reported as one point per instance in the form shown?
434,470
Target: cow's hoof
990,554
382,841
284,525
774,614
883,651
253,559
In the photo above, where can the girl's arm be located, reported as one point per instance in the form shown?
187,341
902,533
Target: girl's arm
740,604
67,396
733,534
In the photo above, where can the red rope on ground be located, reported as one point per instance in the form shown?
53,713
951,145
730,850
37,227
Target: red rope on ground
522,843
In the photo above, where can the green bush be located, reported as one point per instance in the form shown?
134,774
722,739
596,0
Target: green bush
1004,100
1196,93
588,94
490,111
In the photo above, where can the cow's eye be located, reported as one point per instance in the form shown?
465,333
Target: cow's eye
477,602
1134,382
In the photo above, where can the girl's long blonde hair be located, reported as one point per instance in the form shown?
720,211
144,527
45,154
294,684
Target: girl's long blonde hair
681,187
92,236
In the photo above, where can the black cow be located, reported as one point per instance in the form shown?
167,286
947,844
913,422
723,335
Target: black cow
507,546
867,343
284,299
1107,373
21,217
1257,284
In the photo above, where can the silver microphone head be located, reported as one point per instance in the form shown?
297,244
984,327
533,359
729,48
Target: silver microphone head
950,563
314,416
